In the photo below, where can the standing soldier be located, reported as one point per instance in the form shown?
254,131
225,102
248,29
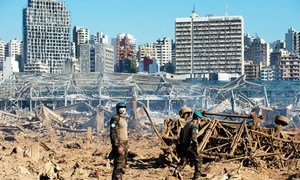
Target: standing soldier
188,146
184,114
119,141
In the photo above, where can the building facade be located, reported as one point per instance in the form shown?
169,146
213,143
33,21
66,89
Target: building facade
96,58
80,36
163,49
252,71
10,65
102,58
267,74
258,52
288,67
209,45
149,65
146,50
46,33
2,54
291,40
276,56
125,48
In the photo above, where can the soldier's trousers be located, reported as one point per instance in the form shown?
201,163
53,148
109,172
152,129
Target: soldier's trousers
120,161
190,156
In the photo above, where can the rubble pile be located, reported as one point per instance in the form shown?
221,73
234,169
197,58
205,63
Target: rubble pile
244,141
70,142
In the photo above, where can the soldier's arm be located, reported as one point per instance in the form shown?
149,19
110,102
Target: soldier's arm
114,123
195,129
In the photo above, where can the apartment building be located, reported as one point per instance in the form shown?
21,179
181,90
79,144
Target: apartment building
252,71
146,50
209,45
163,49
288,67
46,33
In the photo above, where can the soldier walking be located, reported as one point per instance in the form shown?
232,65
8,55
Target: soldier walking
188,147
119,141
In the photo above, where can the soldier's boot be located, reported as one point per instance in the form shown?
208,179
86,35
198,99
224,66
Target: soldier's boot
116,176
197,173
179,168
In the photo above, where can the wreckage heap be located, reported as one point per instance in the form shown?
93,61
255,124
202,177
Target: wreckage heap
244,140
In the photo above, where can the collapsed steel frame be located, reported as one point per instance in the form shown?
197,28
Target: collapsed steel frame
57,90
23,90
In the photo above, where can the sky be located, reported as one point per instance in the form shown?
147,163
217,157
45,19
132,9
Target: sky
149,20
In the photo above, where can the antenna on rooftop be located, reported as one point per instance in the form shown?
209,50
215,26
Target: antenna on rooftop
193,8
226,8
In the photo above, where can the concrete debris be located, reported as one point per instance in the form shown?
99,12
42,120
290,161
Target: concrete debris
79,172
50,171
72,146
17,150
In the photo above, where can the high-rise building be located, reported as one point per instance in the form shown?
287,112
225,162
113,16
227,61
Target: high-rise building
80,36
96,58
100,37
258,52
2,54
102,58
298,43
14,47
248,39
277,45
125,48
209,45
46,33
291,40
163,50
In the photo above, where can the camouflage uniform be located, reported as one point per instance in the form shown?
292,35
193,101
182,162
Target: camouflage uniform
119,138
187,149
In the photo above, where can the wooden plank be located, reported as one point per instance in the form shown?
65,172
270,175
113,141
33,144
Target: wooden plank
89,134
157,134
35,151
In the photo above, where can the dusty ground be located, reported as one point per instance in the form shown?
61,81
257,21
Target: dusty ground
91,158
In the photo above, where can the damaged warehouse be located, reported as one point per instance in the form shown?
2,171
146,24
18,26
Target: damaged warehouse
45,116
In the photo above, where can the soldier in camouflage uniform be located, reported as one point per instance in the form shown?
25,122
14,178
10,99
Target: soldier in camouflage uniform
119,141
184,113
188,146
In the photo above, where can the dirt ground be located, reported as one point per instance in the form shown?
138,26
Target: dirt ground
71,150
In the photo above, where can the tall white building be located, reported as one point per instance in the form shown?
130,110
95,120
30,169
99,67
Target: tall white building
46,33
163,48
96,58
80,35
209,45
10,65
14,47
99,37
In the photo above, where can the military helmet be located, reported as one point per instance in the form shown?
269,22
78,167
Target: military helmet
121,104
184,110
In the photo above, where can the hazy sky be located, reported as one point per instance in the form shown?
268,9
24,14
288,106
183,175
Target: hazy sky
149,20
